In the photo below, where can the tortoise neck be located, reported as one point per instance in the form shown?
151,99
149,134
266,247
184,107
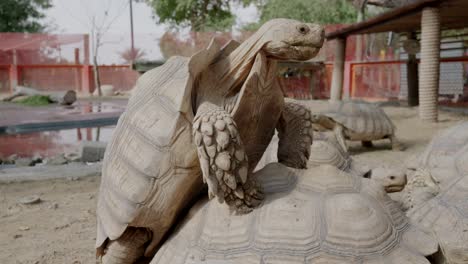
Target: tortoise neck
235,67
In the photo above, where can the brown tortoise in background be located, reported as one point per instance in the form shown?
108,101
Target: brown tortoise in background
356,121
210,117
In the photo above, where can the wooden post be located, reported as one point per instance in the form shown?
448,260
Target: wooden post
13,72
338,70
430,63
85,66
412,76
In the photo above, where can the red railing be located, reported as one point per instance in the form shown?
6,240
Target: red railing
381,80
76,77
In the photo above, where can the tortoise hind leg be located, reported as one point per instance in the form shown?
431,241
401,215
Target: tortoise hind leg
396,144
367,143
223,160
127,249
295,136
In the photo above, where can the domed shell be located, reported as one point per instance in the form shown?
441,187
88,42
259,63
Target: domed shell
365,120
319,215
440,155
150,153
446,215
325,150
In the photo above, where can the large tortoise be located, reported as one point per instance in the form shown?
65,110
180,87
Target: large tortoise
437,195
319,215
356,121
204,118
327,150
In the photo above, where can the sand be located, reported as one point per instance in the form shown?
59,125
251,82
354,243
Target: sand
61,228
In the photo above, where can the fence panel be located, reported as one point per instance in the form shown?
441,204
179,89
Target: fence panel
50,77
376,80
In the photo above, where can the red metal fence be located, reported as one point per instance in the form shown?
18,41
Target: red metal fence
66,77
384,80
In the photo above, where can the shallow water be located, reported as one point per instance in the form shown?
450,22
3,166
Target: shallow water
49,143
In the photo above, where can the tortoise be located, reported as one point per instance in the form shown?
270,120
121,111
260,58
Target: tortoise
436,195
356,121
327,150
204,118
319,215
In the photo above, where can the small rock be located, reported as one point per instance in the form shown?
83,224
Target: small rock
24,162
57,160
73,157
53,206
23,228
33,199
37,159
10,159
73,178
17,236
61,226
92,151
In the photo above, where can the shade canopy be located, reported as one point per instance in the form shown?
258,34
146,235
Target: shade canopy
453,15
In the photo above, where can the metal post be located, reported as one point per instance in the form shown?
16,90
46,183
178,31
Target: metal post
338,70
412,75
429,68
131,31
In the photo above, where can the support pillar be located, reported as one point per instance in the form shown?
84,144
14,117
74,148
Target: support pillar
412,76
429,68
85,76
336,89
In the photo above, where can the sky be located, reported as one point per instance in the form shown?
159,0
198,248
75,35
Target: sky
77,16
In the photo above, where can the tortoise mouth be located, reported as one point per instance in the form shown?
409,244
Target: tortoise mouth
394,188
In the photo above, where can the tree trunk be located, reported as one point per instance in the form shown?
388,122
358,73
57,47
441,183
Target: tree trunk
64,98
97,77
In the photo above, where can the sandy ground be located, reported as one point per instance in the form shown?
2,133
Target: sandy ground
61,229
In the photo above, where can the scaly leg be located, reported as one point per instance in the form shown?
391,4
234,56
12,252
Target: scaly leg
223,160
396,145
295,136
339,133
367,144
127,249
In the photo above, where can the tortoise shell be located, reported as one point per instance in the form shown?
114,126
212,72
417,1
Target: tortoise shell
446,215
324,150
361,120
151,152
319,215
441,153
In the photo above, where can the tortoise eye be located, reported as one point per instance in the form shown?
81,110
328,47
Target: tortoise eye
303,29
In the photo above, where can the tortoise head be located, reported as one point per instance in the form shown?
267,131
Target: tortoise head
288,39
392,179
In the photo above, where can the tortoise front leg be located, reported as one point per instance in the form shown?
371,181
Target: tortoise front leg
339,134
295,136
223,160
127,249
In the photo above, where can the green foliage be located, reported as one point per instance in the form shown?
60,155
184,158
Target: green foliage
35,100
22,15
200,15
216,15
319,11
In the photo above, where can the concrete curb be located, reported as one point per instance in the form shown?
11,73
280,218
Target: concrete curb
71,171
68,124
